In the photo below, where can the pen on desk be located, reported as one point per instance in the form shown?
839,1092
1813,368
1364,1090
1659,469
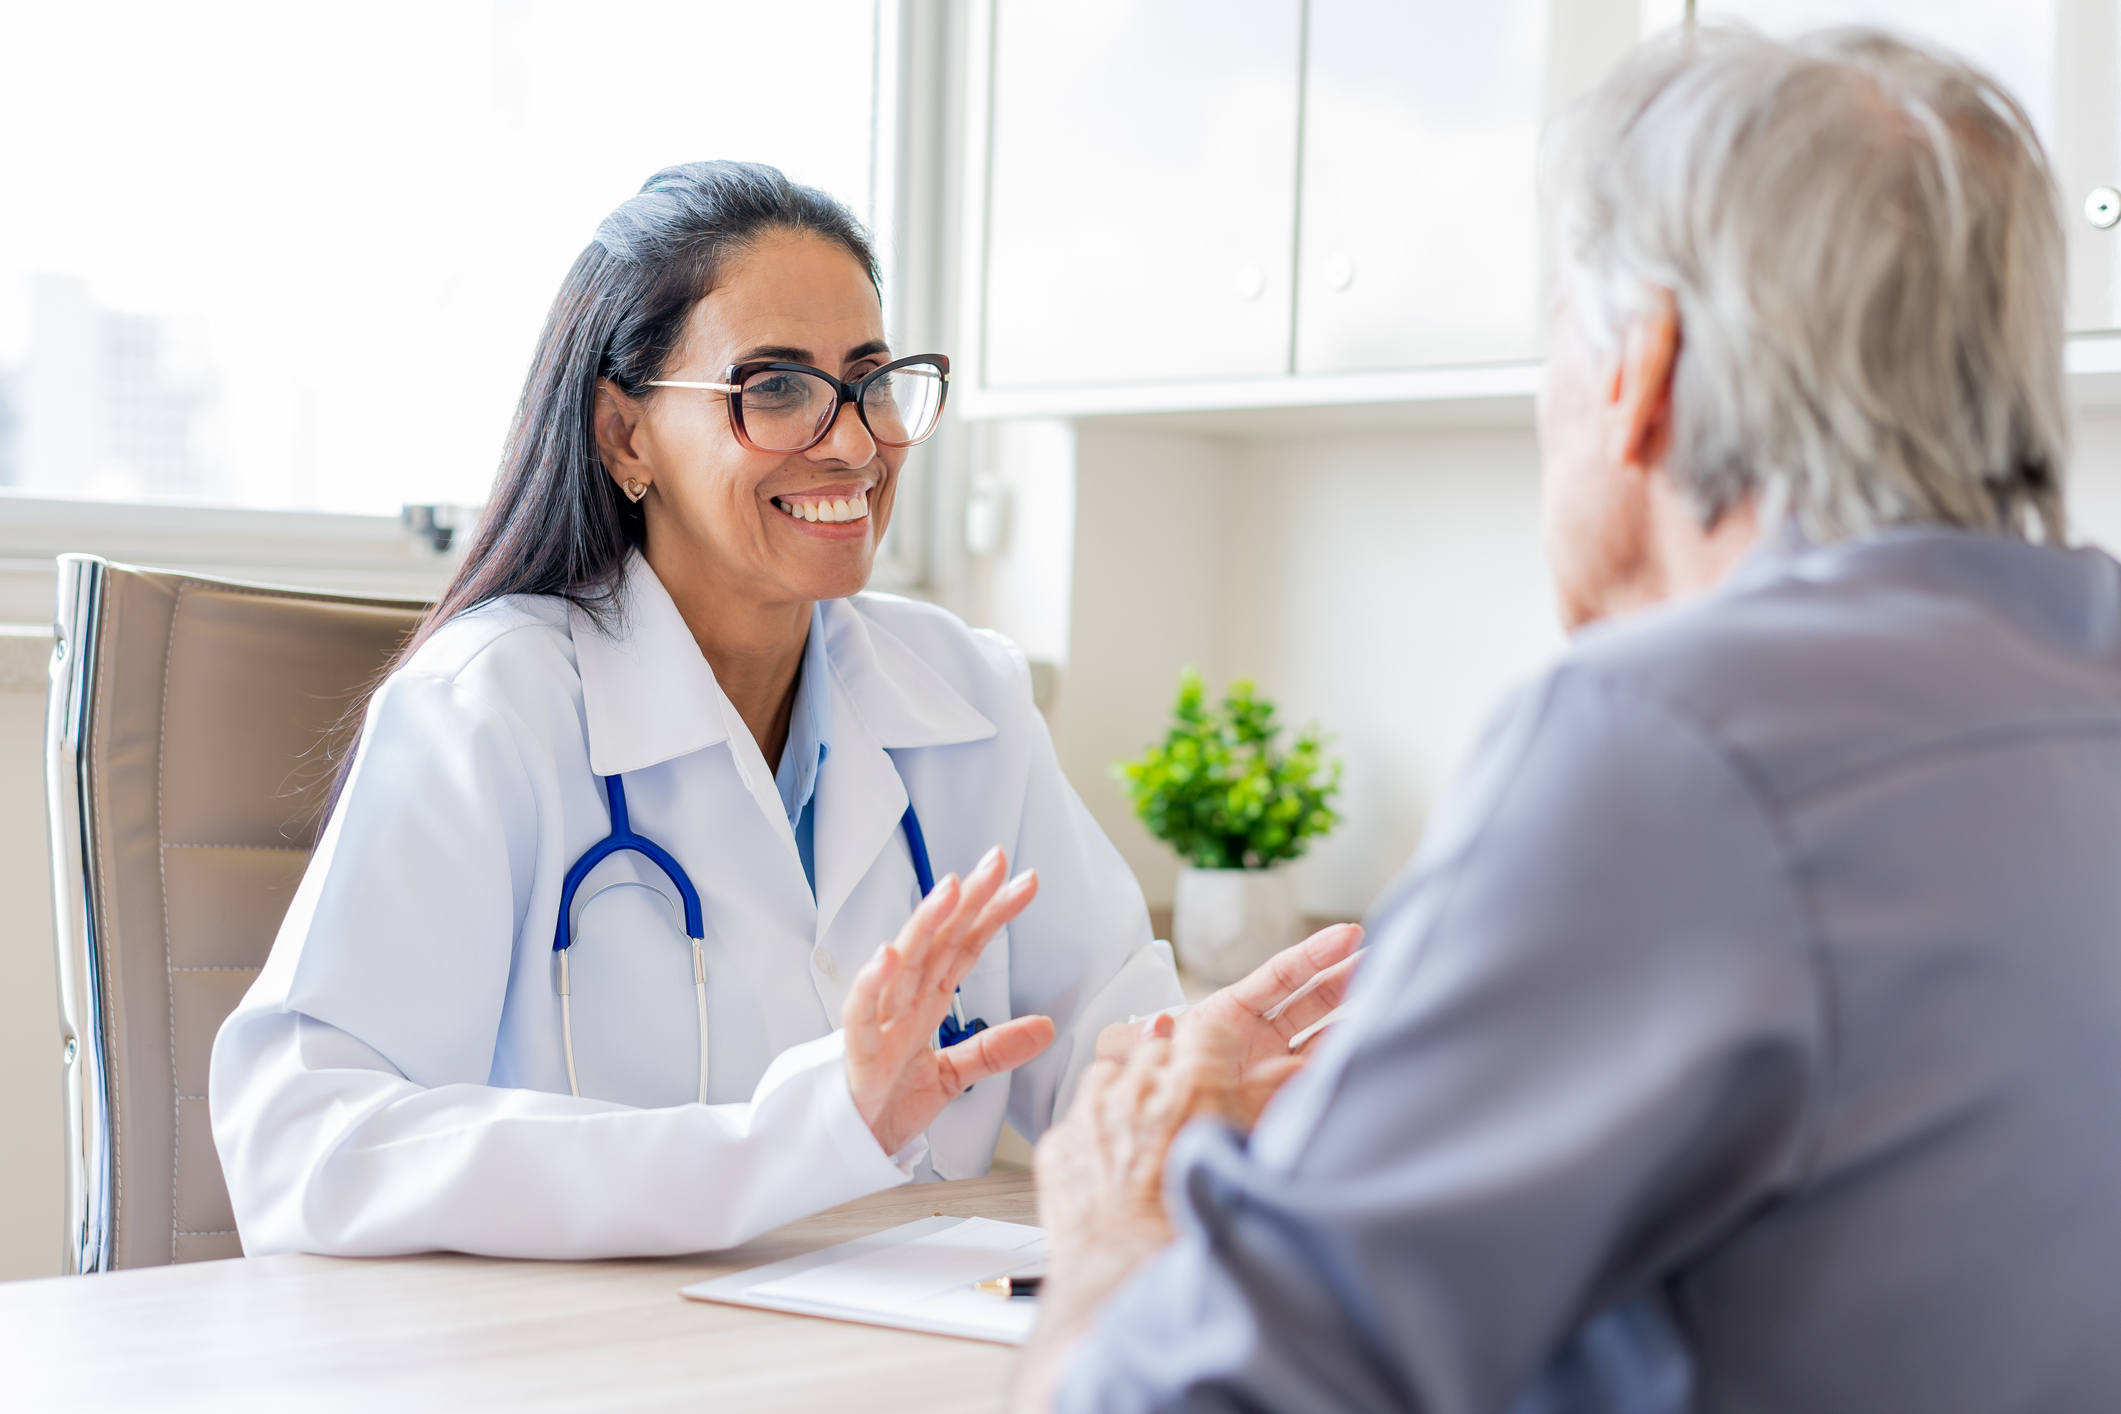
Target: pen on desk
1009,1286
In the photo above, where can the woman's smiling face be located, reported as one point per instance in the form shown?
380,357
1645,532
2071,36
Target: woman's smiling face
770,527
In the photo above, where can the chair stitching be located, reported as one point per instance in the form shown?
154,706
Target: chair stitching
261,848
208,1232
169,961
267,591
217,969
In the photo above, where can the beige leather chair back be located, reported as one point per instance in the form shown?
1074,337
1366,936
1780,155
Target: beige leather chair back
186,756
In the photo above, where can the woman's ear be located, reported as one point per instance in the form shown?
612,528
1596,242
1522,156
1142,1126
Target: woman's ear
617,418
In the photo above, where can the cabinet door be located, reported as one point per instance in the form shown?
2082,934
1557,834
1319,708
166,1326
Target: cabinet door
2058,58
1141,190
1420,233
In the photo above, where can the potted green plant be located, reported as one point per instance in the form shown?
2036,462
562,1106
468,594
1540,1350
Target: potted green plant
1237,808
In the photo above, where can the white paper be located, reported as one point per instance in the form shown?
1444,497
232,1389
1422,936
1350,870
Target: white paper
926,1282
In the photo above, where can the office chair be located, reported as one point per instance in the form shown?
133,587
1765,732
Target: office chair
185,758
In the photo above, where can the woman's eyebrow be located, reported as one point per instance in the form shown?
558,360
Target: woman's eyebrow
788,353
782,353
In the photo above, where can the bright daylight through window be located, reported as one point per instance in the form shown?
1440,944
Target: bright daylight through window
297,256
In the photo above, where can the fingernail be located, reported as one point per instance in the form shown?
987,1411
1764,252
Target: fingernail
990,856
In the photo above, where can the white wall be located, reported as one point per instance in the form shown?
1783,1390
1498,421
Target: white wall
1390,589
1385,586
32,1117
1152,515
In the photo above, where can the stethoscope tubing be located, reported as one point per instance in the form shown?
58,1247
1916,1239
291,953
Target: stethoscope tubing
623,838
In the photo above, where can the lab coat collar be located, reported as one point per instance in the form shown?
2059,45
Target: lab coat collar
649,696
903,701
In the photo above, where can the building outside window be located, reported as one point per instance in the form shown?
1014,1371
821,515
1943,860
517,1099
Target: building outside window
292,256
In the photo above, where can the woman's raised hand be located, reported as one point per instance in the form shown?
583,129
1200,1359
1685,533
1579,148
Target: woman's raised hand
899,1079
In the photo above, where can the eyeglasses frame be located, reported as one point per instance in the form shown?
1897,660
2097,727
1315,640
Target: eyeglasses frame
843,393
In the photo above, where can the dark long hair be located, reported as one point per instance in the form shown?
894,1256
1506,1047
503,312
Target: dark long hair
555,523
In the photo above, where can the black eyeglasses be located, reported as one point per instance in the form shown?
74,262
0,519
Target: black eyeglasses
791,407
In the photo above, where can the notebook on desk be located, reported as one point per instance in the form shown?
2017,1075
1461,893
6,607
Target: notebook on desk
917,1277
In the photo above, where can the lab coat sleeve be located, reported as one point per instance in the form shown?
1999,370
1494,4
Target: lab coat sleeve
1082,953
349,1090
1589,1039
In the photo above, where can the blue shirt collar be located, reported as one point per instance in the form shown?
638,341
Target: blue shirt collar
809,723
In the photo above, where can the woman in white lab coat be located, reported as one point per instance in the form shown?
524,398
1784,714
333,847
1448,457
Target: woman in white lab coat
666,594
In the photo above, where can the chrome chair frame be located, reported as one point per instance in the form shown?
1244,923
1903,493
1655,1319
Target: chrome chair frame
90,1155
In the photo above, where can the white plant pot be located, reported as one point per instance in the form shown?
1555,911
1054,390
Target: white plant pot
1225,922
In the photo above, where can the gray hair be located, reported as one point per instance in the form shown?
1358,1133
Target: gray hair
1863,244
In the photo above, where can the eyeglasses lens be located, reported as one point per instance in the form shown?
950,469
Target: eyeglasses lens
901,408
784,411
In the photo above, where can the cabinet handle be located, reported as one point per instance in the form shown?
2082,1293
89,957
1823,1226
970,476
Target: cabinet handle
1339,271
2103,208
1251,281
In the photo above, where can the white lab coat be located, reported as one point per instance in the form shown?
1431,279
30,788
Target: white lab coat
394,1081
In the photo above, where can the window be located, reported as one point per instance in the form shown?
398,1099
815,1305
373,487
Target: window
275,255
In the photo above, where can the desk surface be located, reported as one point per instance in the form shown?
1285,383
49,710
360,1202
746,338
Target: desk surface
388,1335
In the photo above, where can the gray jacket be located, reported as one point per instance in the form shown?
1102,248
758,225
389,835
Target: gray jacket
1746,1033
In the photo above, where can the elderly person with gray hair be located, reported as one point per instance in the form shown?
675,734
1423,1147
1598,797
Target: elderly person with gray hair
1747,1033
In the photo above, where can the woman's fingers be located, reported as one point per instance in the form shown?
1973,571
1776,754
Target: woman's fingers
863,1008
994,1051
1003,908
953,926
914,940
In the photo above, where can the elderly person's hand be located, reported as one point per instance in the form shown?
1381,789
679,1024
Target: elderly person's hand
1281,999
1101,1170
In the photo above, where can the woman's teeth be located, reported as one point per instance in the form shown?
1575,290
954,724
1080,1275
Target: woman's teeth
830,512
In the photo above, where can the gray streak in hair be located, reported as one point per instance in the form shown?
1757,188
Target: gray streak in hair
1863,243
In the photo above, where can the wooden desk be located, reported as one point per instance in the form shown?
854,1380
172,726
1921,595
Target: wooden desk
390,1335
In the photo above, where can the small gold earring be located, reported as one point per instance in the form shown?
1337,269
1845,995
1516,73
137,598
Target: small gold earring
634,490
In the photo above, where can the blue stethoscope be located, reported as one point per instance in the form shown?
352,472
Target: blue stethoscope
955,1027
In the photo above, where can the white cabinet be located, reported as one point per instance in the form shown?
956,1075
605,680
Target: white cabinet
1216,205
1420,231
1141,189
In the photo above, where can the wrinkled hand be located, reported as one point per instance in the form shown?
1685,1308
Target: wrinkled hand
1251,1011
899,1080
1100,1171
1100,1176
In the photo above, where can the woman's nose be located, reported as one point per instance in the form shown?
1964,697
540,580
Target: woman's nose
849,440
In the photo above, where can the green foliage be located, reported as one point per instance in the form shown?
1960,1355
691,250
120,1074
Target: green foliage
1217,791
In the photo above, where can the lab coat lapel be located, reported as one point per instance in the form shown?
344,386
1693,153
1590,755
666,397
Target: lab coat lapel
859,803
884,698
649,696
